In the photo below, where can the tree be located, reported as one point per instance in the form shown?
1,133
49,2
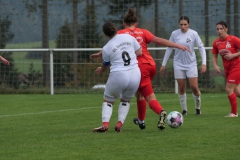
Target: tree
62,60
236,16
115,9
32,6
8,74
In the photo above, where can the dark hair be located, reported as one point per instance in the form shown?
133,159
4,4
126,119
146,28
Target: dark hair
184,18
109,29
130,17
223,23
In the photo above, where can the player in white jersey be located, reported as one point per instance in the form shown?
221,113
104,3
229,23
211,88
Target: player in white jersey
185,63
120,54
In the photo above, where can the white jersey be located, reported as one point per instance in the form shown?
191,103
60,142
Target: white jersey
120,53
184,59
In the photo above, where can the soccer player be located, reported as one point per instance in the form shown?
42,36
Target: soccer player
228,46
185,64
147,66
6,62
120,54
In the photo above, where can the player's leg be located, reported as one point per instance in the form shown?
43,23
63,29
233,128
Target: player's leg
107,106
180,76
196,94
132,80
141,110
148,94
231,88
141,102
192,74
232,99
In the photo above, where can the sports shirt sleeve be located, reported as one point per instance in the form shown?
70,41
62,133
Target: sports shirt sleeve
136,45
105,58
168,52
214,48
148,36
201,48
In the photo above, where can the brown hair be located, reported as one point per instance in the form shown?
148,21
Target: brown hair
130,18
223,23
184,18
109,29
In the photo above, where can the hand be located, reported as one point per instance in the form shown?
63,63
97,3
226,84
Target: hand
184,48
96,55
162,69
217,68
98,71
4,60
229,56
203,68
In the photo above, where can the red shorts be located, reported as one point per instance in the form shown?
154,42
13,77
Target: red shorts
147,73
233,77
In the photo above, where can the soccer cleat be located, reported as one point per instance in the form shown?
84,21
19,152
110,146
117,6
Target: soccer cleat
141,125
198,112
161,121
184,112
231,115
118,127
100,129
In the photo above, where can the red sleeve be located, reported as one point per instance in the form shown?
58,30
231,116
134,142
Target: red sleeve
237,42
148,35
214,48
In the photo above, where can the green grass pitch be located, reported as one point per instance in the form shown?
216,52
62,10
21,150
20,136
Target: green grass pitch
54,127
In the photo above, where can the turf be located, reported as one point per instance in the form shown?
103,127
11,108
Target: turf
60,127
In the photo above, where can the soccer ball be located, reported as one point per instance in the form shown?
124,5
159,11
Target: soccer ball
174,119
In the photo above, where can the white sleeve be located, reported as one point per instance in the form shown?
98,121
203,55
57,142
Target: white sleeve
201,49
136,44
167,52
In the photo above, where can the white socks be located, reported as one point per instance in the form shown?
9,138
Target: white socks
183,101
106,111
197,101
123,111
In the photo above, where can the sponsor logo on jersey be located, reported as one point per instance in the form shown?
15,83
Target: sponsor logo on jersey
228,45
139,39
231,80
188,40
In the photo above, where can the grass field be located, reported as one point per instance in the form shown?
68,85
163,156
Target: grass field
53,127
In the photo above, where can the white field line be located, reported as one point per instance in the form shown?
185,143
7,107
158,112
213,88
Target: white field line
65,110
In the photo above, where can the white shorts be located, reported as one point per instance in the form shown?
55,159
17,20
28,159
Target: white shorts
122,84
191,72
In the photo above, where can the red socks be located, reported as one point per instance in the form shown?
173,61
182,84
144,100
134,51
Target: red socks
233,101
155,106
142,108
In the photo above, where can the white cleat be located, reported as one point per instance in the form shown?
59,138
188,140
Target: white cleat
231,115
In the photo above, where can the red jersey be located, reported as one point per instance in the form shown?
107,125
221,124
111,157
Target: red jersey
232,44
144,37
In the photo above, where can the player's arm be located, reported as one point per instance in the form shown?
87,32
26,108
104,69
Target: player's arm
237,54
138,52
137,47
5,61
215,64
102,68
165,59
202,51
167,43
96,56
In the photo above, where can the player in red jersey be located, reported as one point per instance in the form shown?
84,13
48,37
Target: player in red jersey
228,46
147,67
